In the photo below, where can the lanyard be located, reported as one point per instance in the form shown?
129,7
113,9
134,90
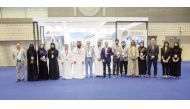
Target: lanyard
79,51
52,52
18,52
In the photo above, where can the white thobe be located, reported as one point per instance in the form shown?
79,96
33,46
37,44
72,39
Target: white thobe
66,59
98,63
79,58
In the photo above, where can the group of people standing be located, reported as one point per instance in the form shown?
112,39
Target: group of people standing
132,61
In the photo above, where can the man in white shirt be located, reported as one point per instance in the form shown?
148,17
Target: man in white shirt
19,56
116,58
89,55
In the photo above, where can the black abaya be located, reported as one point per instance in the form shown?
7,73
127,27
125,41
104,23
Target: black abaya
32,65
176,66
142,62
43,69
53,64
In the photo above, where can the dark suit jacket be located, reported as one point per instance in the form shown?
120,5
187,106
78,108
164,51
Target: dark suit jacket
103,56
152,52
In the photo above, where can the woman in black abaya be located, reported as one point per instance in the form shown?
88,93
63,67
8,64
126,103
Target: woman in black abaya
176,61
42,59
53,62
32,63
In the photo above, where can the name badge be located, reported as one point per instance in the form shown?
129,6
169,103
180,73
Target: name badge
133,54
117,52
141,54
175,56
123,53
52,56
32,58
43,57
152,56
88,55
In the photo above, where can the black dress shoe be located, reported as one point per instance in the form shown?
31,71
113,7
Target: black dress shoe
18,80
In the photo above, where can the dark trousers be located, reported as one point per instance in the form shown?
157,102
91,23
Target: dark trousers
154,62
176,66
166,68
123,64
116,66
104,68
142,67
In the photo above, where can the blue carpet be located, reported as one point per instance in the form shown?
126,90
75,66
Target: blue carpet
96,88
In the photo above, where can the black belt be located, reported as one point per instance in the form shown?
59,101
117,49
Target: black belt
18,60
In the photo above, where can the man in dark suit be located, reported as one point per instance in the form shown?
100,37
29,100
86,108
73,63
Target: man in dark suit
152,51
106,53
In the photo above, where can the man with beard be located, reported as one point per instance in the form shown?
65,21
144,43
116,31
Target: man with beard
116,57
97,60
79,59
123,58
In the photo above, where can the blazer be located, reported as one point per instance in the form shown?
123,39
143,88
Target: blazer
103,55
152,52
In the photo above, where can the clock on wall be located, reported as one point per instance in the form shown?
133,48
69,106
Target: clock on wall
89,11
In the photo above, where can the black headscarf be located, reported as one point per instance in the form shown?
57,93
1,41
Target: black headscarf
176,47
31,48
51,45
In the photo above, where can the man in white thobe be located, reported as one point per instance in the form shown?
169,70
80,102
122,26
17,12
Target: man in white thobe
98,61
19,56
66,61
78,58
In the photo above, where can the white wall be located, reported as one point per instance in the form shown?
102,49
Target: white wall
11,12
161,30
6,48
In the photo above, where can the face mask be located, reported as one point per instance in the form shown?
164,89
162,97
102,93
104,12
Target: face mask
166,45
52,46
31,47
